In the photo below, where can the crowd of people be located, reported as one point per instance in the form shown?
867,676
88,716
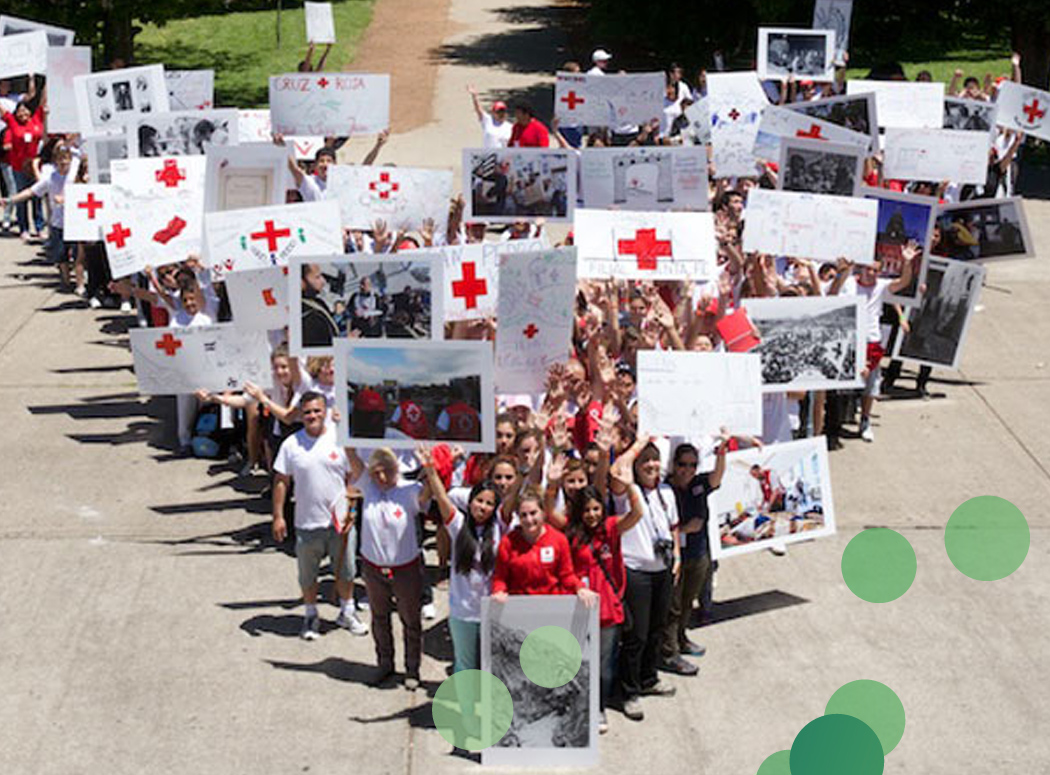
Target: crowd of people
573,500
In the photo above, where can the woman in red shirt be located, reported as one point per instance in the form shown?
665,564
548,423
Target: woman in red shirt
594,539
22,142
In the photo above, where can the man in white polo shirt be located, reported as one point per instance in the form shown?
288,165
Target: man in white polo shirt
600,58
320,469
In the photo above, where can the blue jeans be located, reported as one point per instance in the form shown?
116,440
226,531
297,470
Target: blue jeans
466,644
22,182
10,189
610,646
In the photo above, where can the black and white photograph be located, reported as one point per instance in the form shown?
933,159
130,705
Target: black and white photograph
517,184
56,36
937,327
820,167
903,219
107,100
982,228
398,393
809,342
181,134
362,297
550,727
835,15
806,54
853,111
969,115
100,152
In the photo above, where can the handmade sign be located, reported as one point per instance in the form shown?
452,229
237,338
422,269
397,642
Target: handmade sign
156,213
735,102
644,178
24,54
810,342
183,360
773,495
936,154
835,15
514,184
363,296
910,104
320,25
181,134
608,100
854,112
259,298
270,236
471,272
694,394
398,394
402,196
903,218
107,99
645,245
84,207
56,36
337,104
1025,108
253,126
64,63
805,54
984,228
190,89
535,317
243,176
779,124
813,226
699,116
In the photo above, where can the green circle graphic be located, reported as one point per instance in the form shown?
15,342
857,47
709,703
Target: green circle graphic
878,565
987,538
874,703
778,763
472,709
836,745
551,656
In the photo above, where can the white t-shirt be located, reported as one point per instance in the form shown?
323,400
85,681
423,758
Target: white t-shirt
312,189
496,135
874,296
465,591
659,518
319,467
672,110
388,523
52,184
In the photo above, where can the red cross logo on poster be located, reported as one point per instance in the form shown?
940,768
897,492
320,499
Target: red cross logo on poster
169,344
645,247
91,205
170,175
384,187
572,100
470,286
271,235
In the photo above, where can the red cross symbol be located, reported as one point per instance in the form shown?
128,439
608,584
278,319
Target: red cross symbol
333,456
734,114
398,513
90,204
270,234
814,132
470,286
323,82
384,186
572,100
1033,112
170,175
645,246
168,344
268,298
530,331
118,235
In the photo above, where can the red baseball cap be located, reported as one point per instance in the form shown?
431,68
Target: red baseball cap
369,400
499,105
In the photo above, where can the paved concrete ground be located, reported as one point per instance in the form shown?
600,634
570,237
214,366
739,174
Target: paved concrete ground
145,628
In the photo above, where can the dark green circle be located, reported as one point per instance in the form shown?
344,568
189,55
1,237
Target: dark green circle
778,763
550,656
878,565
472,709
987,538
837,745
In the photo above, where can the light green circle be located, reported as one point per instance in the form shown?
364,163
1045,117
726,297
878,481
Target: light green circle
837,745
874,703
987,538
778,763
551,656
878,565
472,709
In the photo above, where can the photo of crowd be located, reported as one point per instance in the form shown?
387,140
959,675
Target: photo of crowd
988,229
819,167
513,184
937,328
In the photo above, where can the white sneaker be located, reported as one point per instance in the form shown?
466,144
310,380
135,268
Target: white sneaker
125,306
352,623
362,603
868,434
94,303
80,291
311,628
430,612
778,549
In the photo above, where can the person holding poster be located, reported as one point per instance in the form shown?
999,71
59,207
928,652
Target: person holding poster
25,129
307,65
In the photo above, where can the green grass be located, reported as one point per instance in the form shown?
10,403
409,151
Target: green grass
242,47
942,69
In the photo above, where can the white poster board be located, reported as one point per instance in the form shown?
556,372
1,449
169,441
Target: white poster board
814,226
909,104
835,15
215,358
24,54
402,196
735,102
84,208
699,116
259,298
644,178
1025,108
856,112
64,63
185,133
56,36
695,394
101,150
804,54
253,126
320,24
337,104
243,176
937,154
106,100
778,124
270,236
535,317
608,100
645,245
190,89
504,185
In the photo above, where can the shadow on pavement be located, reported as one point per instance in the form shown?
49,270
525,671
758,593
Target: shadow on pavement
339,669
748,605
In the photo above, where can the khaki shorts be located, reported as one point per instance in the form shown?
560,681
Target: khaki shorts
312,546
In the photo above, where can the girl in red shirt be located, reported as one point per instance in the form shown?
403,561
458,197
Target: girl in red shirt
22,142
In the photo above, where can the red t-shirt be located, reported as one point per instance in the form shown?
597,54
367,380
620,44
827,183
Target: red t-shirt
606,545
541,568
532,135
24,139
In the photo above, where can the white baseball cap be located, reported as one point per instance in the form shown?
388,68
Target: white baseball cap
601,55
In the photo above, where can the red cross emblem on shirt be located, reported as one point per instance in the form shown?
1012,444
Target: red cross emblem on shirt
813,131
398,513
322,82
572,100
470,286
91,205
734,114
384,186
645,247
270,234
118,235
530,331
268,298
169,344
333,456
1033,111
170,175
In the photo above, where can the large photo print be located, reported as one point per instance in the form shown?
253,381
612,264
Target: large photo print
516,184
989,228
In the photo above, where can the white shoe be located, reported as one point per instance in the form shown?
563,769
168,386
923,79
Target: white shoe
311,628
94,303
352,623
868,434
778,549
125,306
430,612
362,604
80,291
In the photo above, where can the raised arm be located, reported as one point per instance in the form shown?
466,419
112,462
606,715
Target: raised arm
476,102
324,56
357,466
374,153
